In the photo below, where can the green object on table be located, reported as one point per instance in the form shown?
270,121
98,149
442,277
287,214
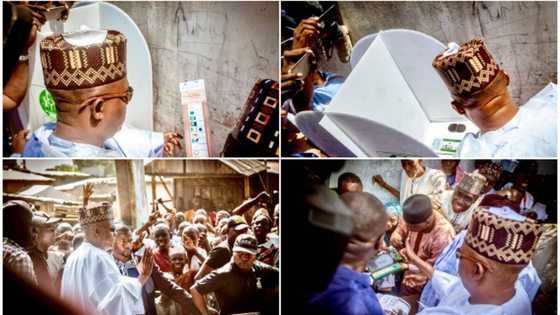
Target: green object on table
46,100
383,272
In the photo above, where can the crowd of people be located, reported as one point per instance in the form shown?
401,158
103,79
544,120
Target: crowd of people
459,243
177,262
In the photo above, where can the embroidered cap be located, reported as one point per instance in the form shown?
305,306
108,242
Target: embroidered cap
472,183
503,239
70,67
96,213
469,70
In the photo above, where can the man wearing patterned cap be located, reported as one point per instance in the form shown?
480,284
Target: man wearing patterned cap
478,87
91,278
459,204
492,172
487,269
86,74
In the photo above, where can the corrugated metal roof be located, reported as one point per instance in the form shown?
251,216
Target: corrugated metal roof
62,174
23,176
245,167
48,192
95,181
43,199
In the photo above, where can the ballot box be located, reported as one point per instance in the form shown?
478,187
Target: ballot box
393,103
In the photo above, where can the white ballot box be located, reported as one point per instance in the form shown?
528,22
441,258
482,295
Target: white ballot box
393,103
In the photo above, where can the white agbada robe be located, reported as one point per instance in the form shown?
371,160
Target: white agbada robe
431,183
531,133
455,299
460,221
92,281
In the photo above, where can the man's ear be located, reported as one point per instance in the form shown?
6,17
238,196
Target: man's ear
458,108
479,272
97,107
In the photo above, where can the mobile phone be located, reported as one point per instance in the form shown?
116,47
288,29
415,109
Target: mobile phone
303,65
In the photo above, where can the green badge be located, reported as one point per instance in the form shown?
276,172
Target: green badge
47,104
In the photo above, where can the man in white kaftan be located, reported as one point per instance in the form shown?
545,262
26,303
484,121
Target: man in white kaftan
459,204
91,279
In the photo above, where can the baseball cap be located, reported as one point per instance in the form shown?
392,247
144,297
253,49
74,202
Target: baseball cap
40,218
245,243
237,222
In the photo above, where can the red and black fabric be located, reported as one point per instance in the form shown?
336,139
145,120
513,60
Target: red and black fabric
469,70
70,67
256,133
502,239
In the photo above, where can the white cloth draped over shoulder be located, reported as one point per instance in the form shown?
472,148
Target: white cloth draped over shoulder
530,134
431,183
460,221
455,299
91,280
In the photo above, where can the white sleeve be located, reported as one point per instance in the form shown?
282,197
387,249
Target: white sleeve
115,293
442,282
136,143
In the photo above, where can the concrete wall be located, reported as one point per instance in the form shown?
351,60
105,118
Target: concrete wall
520,35
228,44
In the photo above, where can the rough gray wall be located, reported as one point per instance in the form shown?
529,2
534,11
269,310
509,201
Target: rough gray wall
520,35
228,44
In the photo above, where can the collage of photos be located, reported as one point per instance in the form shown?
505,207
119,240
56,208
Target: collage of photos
200,157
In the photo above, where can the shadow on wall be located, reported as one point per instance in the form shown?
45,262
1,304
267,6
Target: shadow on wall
229,45
521,35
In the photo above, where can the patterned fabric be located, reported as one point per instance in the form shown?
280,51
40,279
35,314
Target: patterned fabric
491,169
256,133
472,183
69,67
96,213
17,259
447,262
428,246
469,70
502,239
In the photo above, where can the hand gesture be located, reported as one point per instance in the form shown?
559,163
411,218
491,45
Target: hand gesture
152,218
171,142
307,33
87,192
145,265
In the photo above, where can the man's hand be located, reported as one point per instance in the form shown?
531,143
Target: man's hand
377,179
145,266
262,194
19,140
138,243
396,240
171,142
307,33
152,218
189,245
293,83
87,191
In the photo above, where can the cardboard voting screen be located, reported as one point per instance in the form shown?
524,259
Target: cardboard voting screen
394,103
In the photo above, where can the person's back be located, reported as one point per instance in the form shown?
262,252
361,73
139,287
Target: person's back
348,293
